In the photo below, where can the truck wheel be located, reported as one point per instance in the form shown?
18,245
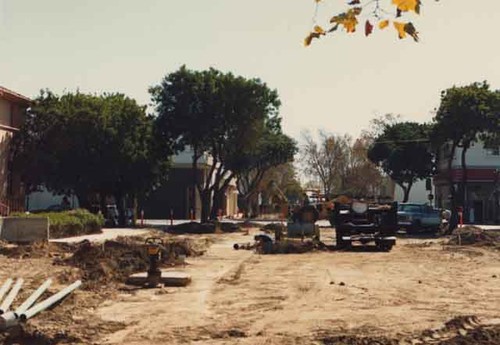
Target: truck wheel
414,228
384,247
341,244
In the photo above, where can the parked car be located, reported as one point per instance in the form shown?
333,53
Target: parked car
418,217
52,208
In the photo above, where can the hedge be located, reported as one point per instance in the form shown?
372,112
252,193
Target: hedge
70,223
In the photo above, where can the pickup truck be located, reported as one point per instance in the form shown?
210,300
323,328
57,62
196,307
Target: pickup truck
417,217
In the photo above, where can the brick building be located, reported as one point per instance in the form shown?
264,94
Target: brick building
12,108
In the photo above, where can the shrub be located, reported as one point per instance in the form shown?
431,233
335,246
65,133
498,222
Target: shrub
70,223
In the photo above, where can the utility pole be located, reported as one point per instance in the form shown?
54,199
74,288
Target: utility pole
497,192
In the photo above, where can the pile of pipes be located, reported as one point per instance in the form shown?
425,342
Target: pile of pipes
28,309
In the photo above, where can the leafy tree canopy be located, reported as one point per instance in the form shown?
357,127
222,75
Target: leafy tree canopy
219,114
402,151
88,144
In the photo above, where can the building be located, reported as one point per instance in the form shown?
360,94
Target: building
176,193
12,108
173,196
482,188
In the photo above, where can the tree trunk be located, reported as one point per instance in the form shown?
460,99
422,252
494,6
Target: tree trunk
464,181
205,206
243,205
406,193
217,204
454,212
194,171
103,204
120,205
134,210
83,199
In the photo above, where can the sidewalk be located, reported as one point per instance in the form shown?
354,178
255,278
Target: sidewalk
107,234
488,227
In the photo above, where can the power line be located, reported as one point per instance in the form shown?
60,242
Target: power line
403,141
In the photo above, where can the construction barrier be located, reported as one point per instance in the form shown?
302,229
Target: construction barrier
20,229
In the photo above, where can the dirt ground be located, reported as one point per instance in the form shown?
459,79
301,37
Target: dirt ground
422,292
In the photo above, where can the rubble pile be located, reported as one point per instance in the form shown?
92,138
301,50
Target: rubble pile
471,235
462,330
35,250
114,261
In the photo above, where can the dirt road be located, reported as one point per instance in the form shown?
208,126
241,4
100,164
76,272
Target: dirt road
245,298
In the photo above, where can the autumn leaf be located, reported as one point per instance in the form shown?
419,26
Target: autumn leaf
309,38
318,29
407,5
347,19
383,24
356,10
406,28
368,28
410,30
334,28
400,27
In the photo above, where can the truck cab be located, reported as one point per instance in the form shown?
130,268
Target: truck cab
418,217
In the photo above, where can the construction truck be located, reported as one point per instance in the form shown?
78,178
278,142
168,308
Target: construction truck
363,222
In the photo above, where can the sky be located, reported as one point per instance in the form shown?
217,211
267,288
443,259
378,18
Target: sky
337,84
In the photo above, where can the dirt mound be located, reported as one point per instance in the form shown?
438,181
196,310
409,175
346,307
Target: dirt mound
354,340
203,228
476,336
471,235
35,250
462,330
114,261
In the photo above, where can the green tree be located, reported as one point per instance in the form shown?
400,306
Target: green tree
273,149
465,115
402,151
218,114
89,145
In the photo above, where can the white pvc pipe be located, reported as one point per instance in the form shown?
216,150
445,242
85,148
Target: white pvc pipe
8,320
49,301
5,287
11,296
34,296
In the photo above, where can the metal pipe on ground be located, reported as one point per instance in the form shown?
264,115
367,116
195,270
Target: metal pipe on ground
5,287
34,296
8,320
11,296
49,301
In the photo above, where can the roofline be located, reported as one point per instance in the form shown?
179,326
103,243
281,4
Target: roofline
14,96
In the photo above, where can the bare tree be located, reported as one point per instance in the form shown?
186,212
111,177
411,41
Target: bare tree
324,160
341,164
